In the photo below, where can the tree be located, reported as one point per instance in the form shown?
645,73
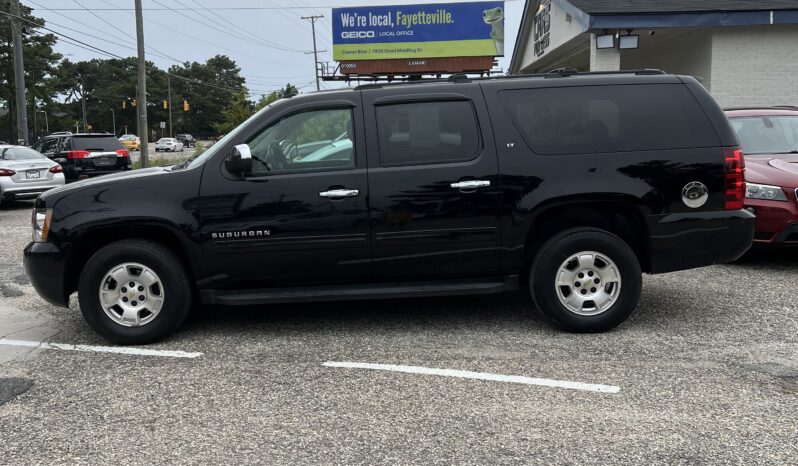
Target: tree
40,68
239,110
209,88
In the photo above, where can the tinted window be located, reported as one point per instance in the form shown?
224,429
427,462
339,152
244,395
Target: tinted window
96,143
306,141
427,132
579,120
767,134
20,153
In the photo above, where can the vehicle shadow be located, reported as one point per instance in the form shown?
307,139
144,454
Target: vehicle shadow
785,257
504,311
25,204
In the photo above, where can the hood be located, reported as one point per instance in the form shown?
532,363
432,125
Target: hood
781,170
108,179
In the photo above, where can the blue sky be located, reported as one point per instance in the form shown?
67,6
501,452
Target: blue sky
267,38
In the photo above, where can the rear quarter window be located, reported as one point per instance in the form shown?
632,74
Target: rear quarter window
615,118
96,143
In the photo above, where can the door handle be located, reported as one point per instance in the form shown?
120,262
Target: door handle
470,184
336,193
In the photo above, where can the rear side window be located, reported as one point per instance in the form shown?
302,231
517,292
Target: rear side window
96,143
598,119
427,132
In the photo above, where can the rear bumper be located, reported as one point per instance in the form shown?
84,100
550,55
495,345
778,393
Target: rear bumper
776,222
690,240
45,263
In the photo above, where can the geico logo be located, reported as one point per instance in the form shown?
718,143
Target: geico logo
357,34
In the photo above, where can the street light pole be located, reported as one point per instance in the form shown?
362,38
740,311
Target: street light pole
113,120
46,124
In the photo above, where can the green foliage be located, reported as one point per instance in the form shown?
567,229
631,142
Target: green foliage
40,68
239,110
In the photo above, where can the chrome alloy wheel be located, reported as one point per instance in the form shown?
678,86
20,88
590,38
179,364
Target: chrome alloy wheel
588,283
131,294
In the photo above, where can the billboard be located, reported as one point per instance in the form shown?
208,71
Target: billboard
474,29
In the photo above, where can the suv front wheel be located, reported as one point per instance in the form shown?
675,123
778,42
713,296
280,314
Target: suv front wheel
134,292
586,280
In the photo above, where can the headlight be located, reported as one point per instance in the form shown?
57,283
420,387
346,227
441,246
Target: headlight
41,224
763,191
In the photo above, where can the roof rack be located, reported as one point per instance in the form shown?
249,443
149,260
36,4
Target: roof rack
763,107
558,72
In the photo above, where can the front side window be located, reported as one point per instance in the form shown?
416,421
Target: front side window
427,132
767,134
306,141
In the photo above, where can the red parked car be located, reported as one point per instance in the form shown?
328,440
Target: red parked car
769,139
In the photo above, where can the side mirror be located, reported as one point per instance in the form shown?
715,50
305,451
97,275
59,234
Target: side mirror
240,160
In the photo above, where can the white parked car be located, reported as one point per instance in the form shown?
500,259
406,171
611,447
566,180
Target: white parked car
168,144
25,173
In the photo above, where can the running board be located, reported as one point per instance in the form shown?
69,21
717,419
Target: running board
361,291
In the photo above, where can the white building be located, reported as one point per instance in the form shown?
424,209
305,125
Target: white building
745,52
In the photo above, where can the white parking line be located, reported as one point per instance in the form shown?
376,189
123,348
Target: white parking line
589,387
100,349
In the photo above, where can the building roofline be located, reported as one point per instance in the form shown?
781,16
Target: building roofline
523,35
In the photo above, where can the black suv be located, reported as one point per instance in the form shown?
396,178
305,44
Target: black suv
568,185
187,139
84,155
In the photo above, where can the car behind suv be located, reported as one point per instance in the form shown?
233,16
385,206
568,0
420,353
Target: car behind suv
568,185
769,137
84,155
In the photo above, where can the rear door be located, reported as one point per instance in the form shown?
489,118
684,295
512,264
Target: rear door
433,183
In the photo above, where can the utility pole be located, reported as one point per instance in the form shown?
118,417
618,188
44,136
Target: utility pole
83,102
19,72
142,87
113,120
169,87
312,20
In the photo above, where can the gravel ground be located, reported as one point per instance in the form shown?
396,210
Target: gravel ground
707,369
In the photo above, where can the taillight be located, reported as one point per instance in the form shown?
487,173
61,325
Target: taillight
7,172
734,178
56,169
77,154
122,153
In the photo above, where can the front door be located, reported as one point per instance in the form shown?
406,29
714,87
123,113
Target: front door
300,217
434,199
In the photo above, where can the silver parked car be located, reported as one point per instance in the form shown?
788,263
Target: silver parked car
25,173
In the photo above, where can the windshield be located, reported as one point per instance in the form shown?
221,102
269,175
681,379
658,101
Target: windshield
767,134
20,153
213,149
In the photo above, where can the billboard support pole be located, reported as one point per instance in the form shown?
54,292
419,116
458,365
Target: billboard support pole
312,20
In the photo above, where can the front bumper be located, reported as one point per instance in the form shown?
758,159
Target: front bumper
45,264
691,240
776,221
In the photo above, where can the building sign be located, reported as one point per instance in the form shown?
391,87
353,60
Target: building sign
474,29
542,26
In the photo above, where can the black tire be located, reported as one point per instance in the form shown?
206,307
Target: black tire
169,268
551,256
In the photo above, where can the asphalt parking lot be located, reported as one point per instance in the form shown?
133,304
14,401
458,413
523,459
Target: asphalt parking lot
706,372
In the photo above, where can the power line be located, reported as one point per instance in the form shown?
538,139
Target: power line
226,31
81,44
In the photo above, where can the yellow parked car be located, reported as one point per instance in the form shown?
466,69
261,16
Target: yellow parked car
130,141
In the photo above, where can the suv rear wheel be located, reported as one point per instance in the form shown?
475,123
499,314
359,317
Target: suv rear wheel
586,280
134,292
